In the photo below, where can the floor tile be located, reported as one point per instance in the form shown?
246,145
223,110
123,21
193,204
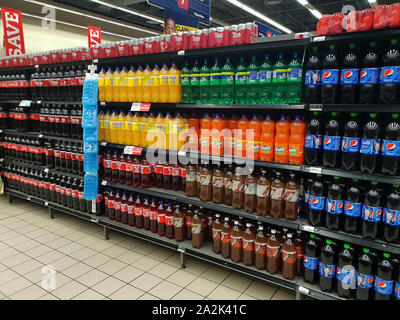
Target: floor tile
64,263
224,293
70,248
182,278
8,275
69,290
15,285
48,297
146,248
282,294
83,254
146,263
100,246
237,282
130,257
8,253
114,251
112,266
161,254
27,266
187,295
108,286
202,286
128,274
261,290
97,260
196,267
163,270
216,274
165,290
244,296
146,282
92,278
15,260
88,240
77,270
89,295
49,257
127,293
38,251
147,296
174,260
32,292
58,243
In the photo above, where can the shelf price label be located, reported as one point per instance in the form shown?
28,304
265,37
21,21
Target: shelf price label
104,183
319,39
181,53
137,151
46,204
313,170
103,144
303,290
315,107
307,228
94,220
25,103
140,106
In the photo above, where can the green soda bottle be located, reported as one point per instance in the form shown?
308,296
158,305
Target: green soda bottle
185,83
252,87
242,79
294,80
215,83
265,78
195,82
204,83
227,82
279,76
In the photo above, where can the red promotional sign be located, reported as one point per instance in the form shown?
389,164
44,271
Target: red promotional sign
94,36
183,4
13,32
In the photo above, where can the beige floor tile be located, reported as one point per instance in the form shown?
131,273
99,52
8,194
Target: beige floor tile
187,295
146,281
102,245
48,296
64,231
15,260
28,228
48,237
74,236
8,235
224,293
163,270
146,263
246,297
127,293
58,243
202,286
237,282
8,253
26,246
130,257
89,295
38,251
50,257
117,237
128,274
181,277
36,233
282,294
161,254
165,290
83,254
97,260
196,267
146,248
8,275
17,240
64,263
88,240
216,274
112,266
147,296
114,251
173,260
77,270
30,293
131,243
69,290
27,266
70,248
108,286
261,290
40,279
92,278
15,285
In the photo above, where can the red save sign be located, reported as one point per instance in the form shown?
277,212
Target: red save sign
94,36
183,4
13,32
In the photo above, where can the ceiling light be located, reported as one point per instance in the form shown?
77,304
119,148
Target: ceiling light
316,13
302,2
136,13
258,15
310,8
373,3
91,17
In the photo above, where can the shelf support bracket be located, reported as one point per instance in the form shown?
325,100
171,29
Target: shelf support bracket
299,296
9,198
183,257
106,233
51,213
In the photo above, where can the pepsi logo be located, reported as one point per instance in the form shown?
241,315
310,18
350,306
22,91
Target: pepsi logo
340,205
305,258
348,74
378,212
390,147
338,271
388,73
353,143
314,201
382,285
363,74
349,207
327,141
370,280
327,75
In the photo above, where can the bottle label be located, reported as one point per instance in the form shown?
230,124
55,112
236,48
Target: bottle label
295,74
334,206
146,213
327,270
253,77
225,237
263,191
164,80
228,183
169,221
276,193
279,76
317,203
161,218
205,180
289,257
365,281
195,80
227,78
313,141
352,209
267,148
250,189
370,146
372,214
281,149
330,76
273,252
237,186
369,76
265,76
204,79
242,77
260,248
397,291
216,234
248,245
391,217
236,242
313,78
390,148
291,195
296,150
350,144
153,215
217,182
215,79
307,197
185,79
390,74
332,143
384,287
310,263
350,76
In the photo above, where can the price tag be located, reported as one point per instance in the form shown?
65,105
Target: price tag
28,198
96,61
93,206
94,76
104,183
25,103
94,220
40,136
313,170
182,153
319,39
46,170
102,103
140,106
315,107
303,290
39,102
36,66
103,144
307,228
137,151
1,131
181,53
46,204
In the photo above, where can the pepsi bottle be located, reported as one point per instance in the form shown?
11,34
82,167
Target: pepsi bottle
307,191
334,205
391,216
369,76
330,76
371,212
350,76
327,267
346,272
365,275
370,145
312,90
317,202
313,144
351,144
384,278
311,259
397,286
352,208
331,143
391,147
390,74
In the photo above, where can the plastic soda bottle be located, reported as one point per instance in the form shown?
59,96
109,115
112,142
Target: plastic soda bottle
175,127
114,127
116,85
143,129
139,84
102,88
227,82
164,83
155,80
267,139
264,81
215,83
230,142
168,125
129,133
204,82
174,84
282,140
131,84
195,82
147,84
279,76
136,129
254,144
240,137
108,84
121,128
217,140
101,126
107,126
186,83
160,131
296,141
241,81
123,90
294,80
253,84
149,128
205,134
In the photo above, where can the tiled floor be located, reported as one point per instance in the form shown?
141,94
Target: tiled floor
86,266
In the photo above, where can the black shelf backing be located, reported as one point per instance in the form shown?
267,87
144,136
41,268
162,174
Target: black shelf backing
20,133
61,138
354,107
57,102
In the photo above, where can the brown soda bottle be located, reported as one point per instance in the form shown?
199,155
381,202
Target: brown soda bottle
161,219
176,177
167,176
216,233
136,172
298,242
138,212
131,211
179,224
238,190
260,244
289,254
169,221
209,221
236,243
273,253
228,194
263,190
205,184
146,213
276,196
226,238
121,165
188,222
117,207
291,199
191,181
183,178
198,179
250,193
218,185
145,174
159,178
124,209
249,245
129,170
153,216
197,230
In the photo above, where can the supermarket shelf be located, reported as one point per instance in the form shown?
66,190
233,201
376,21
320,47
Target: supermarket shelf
23,68
60,138
10,101
56,102
62,64
354,107
24,196
313,290
357,36
72,175
20,133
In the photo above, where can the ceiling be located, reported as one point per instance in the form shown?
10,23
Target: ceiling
289,13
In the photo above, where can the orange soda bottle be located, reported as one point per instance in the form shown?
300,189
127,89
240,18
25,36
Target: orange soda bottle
164,83
168,125
296,141
194,131
155,88
114,127
116,85
205,134
253,145
267,139
136,119
107,126
139,79
282,140
217,140
147,84
149,128
121,128
240,140
108,85
123,88
160,132
129,129
174,84
230,141
131,84
102,88
143,129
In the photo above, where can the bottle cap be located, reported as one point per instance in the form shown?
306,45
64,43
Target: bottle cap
393,41
315,113
352,45
336,178
396,186
315,49
353,114
334,114
346,246
312,236
289,236
328,241
332,46
236,222
386,255
273,231
374,183
248,225
319,175
372,44
226,219
395,115
355,180
365,250
372,115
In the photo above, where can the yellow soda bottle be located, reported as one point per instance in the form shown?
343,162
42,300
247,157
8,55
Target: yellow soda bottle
149,128
107,127
180,125
101,126
102,89
174,84
136,129
160,131
114,127
116,85
131,84
139,84
173,133
164,84
108,84
147,84
155,89
129,129
143,130
121,128
123,89
168,125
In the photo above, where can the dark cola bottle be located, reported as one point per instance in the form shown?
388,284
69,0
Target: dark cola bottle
312,91
366,271
330,76
369,76
351,144
390,74
346,272
391,147
391,216
350,76
370,145
334,205
331,143
372,212
327,267
313,144
353,208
